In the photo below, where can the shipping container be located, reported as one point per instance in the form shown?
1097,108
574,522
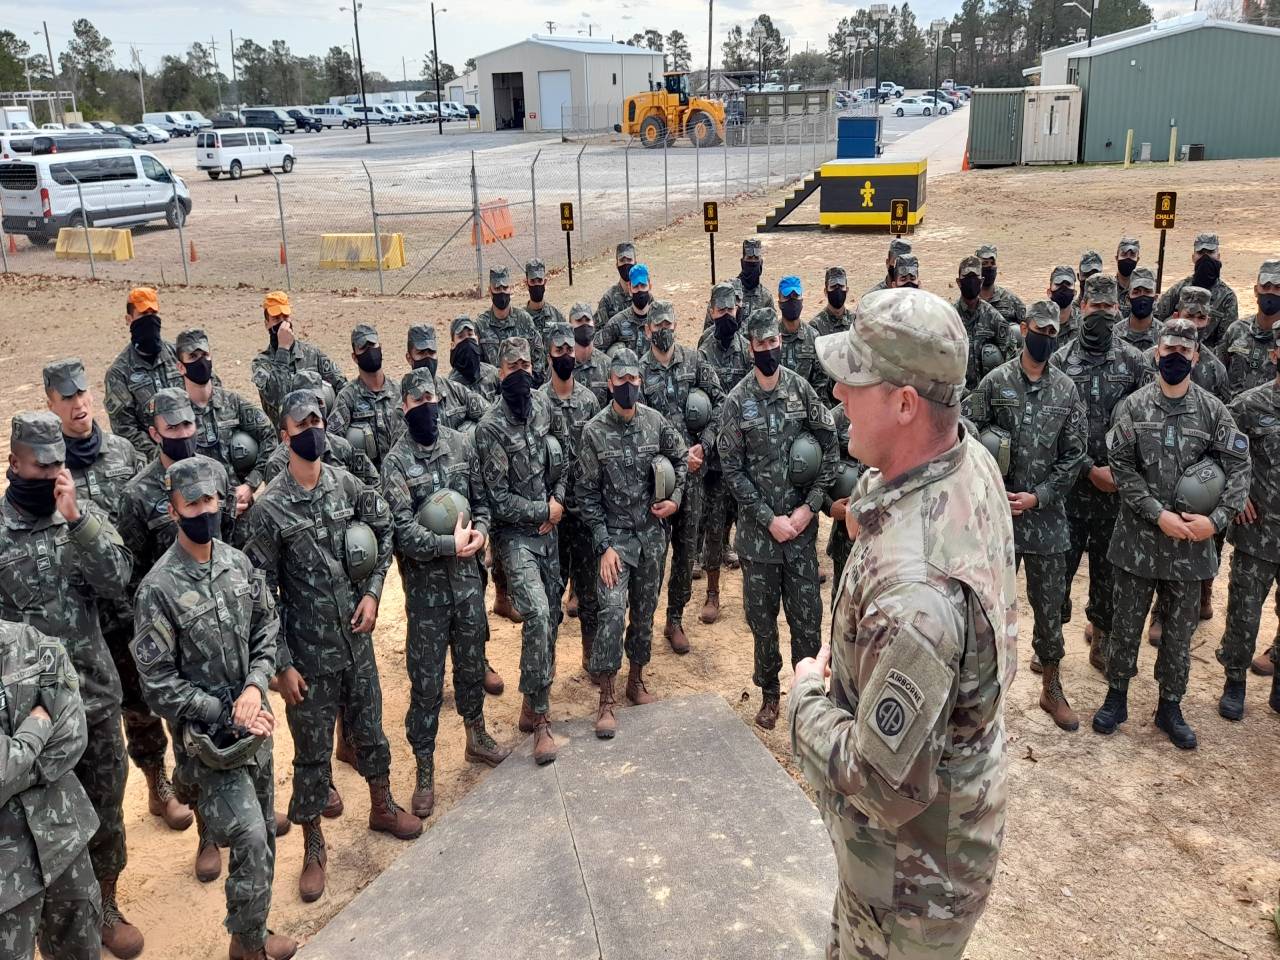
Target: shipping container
995,127
1050,124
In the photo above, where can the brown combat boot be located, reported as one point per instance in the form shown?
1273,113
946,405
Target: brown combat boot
314,859
333,806
1156,630
767,718
482,748
120,937
493,684
711,606
162,803
528,719
343,749
637,692
1098,652
674,632
387,816
606,722
277,947
1262,665
423,800
502,605
283,823
208,856
1054,702
544,745
1206,599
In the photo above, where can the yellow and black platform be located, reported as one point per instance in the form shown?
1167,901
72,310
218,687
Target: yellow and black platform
857,193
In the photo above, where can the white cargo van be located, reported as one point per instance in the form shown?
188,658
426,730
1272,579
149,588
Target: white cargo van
174,123
196,119
120,188
335,115
239,149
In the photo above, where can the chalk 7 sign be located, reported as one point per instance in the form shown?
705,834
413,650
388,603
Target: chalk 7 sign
899,214
711,216
566,217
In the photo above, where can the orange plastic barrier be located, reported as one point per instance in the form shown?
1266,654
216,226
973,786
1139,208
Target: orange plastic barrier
495,217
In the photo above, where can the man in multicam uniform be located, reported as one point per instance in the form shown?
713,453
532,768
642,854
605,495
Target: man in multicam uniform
1224,309
337,451
148,364
907,752
286,355
1008,303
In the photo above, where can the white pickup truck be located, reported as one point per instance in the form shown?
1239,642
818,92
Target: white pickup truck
890,89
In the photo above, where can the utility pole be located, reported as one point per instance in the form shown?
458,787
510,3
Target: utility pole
551,26
213,47
53,67
435,54
235,82
137,65
364,103
710,20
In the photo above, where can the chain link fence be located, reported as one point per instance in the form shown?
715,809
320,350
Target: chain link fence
456,214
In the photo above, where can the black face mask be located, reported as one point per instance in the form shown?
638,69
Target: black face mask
309,444
663,340
1126,267
202,527
501,300
1063,297
1095,331
424,422
768,361
725,328
536,292
910,283
1174,368
791,310
34,497
199,371
988,276
624,395
750,273
563,366
178,448
969,287
836,298
516,387
428,363
371,360
1206,272
584,334
1269,304
1040,345
640,299
1141,307
144,332
624,272
83,451
465,358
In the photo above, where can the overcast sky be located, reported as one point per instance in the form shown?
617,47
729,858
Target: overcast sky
391,29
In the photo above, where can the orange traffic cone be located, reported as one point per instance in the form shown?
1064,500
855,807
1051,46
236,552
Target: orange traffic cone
191,257
964,165
13,247
283,256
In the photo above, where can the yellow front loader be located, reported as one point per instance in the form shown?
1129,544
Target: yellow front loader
661,116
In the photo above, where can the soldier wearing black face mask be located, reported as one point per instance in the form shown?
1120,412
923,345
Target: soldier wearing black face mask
755,294
618,296
1140,328
799,350
627,325
1246,348
367,410
1126,263
1006,301
835,314
897,248
461,407
1224,308
466,361
591,368
1062,291
990,341
502,321
146,365
544,315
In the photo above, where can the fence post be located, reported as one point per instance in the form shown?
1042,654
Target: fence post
786,147
666,207
582,212
182,243
377,236
725,140
284,240
4,254
477,228
533,192
84,222
626,166
746,132
697,175
768,155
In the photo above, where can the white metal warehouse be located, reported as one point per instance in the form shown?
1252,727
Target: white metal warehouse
554,83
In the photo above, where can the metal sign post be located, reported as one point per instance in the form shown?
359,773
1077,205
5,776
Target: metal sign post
566,224
711,224
1166,215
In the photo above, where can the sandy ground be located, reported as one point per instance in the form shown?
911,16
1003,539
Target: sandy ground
1115,847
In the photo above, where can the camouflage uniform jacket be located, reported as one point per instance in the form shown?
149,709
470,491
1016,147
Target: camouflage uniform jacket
373,411
824,323
46,818
755,299
1245,349
732,364
800,354
518,323
104,480
614,301
908,752
226,413
461,408
625,327
594,375
1257,415
568,417
273,372
1141,340
990,341
486,382
296,537
1008,304
204,630
613,487
666,389
52,575
757,428
1102,382
1122,293
411,473
130,382
337,452
1153,440
1045,420
1208,373
544,317
882,285
1224,310
513,459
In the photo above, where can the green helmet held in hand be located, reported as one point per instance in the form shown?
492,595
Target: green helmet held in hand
440,512
697,410
664,478
804,462
361,551
1200,488
242,451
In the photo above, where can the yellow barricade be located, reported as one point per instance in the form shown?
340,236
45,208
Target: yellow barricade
355,251
108,244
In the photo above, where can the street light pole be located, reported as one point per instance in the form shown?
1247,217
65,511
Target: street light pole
435,53
977,43
364,103
955,53
1087,13
936,28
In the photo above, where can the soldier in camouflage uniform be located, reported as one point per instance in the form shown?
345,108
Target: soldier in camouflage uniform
618,297
990,342
627,325
501,321
1224,309
627,518
467,367
777,532
755,293
835,313
591,369
1036,419
1008,303
1138,328
526,503
101,464
367,410
325,658
220,413
48,893
337,451
1105,370
205,645
443,592
906,271
798,352
1062,291
907,753
1090,263
667,373
544,314
897,248
1126,264
460,408
274,367
146,365
61,558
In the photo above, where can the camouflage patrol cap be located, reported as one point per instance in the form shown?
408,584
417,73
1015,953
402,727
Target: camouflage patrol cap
722,295
1143,279
172,406
986,252
422,336
624,363
300,404
970,266
661,312
898,247
1269,272
1062,274
904,337
1193,301
1179,332
1090,262
1128,245
66,377
836,277
763,324
191,341
306,380
513,350
196,477
582,311
738,293
535,269
751,247
625,251
561,334
41,431
907,265
499,277
456,326
1100,288
1046,316
1206,242
363,335
417,384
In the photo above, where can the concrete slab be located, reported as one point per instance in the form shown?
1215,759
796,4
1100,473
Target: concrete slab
680,838
941,142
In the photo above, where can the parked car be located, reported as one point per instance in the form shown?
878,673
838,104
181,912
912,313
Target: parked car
306,122
964,90
919,107
948,84
52,126
41,195
431,112
454,110
891,89
226,119
944,97
172,123
137,137
103,125
234,151
373,113
272,118
157,135
197,119
81,125
335,115
16,144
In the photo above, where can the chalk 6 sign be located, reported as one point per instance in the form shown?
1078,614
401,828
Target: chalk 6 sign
711,216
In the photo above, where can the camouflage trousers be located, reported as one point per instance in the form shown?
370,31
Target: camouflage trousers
103,771
456,627
1159,612
532,564
237,807
1046,589
578,561
357,691
636,591
143,730
684,548
1132,601
792,587
839,546
1092,534
1251,581
719,510
65,918
861,932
